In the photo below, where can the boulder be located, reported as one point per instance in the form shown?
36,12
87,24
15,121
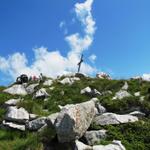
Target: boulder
100,109
13,125
41,93
89,91
81,146
17,114
48,82
125,87
121,94
112,118
36,124
12,102
31,88
137,94
17,89
116,145
69,81
93,137
73,121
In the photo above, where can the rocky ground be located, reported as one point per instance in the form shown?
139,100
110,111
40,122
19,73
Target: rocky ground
76,112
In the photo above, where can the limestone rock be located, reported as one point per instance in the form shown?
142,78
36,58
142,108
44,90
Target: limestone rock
125,87
31,88
32,116
17,89
137,94
73,121
89,91
48,82
12,102
69,81
13,125
92,137
36,124
100,109
17,114
116,145
81,146
121,94
41,93
112,118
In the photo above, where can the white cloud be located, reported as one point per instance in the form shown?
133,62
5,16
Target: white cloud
92,58
52,63
62,24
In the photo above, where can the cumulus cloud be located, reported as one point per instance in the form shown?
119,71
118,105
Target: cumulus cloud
52,63
92,58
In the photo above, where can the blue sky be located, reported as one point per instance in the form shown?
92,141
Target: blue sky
119,40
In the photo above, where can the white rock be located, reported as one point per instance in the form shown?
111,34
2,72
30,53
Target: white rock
121,94
112,118
116,145
36,124
17,89
81,146
32,116
137,94
73,121
13,125
17,114
125,87
137,114
92,137
89,91
69,81
48,82
30,88
12,102
100,109
41,93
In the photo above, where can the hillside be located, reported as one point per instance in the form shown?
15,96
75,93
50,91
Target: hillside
32,115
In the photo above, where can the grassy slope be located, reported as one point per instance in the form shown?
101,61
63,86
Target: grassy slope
133,136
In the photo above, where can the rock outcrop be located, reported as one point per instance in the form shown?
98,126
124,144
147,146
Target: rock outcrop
73,121
17,89
121,94
112,118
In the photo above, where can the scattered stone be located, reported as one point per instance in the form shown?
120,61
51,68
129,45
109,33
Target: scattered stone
81,146
116,145
69,81
17,89
92,137
142,98
100,109
103,75
52,88
107,92
91,92
31,88
138,114
32,116
137,94
41,93
36,124
121,94
73,121
125,87
13,125
12,102
48,82
17,114
112,118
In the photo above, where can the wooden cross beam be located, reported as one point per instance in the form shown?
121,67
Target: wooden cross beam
79,64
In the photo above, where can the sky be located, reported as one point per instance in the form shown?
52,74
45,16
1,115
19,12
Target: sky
49,37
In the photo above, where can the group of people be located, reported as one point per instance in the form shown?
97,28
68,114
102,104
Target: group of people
36,78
